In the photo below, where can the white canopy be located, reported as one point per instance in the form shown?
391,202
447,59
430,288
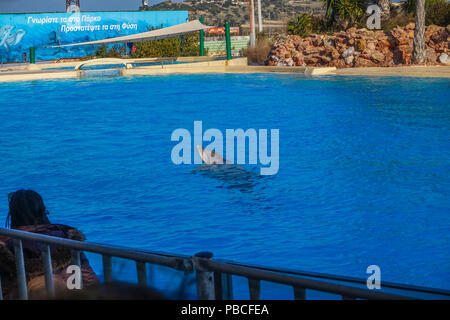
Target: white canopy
163,33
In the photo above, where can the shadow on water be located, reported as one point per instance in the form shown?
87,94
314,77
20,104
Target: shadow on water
231,176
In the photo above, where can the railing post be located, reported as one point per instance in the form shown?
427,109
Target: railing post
218,291
228,40
205,278
141,273
1,292
227,286
299,293
223,286
255,289
202,40
107,268
20,268
48,270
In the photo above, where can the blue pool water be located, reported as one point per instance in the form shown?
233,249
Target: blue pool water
364,172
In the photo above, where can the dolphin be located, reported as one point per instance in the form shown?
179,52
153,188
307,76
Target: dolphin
216,167
210,156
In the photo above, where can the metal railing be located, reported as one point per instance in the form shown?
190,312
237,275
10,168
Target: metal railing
213,278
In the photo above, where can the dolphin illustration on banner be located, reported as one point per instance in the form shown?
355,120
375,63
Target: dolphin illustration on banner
9,38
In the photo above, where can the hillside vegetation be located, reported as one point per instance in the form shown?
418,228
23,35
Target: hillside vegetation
236,12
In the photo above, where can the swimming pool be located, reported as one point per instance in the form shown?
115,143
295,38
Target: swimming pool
364,173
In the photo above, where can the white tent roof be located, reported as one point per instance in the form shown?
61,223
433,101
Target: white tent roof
163,33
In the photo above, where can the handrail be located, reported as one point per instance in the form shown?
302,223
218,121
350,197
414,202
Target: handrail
173,261
348,292
213,276
348,279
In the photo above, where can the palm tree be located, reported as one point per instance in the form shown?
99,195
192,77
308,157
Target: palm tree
418,54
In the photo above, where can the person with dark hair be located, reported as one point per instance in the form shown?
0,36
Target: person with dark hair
27,212
26,208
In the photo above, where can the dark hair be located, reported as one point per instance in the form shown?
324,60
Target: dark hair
26,207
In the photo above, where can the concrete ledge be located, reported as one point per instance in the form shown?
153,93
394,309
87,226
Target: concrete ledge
319,71
54,65
199,65
405,71
271,69
29,76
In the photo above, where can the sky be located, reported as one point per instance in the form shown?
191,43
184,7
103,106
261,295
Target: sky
9,6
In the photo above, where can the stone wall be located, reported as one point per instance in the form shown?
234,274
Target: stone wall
360,48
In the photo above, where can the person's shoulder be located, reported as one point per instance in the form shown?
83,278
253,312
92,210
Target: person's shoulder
56,230
7,259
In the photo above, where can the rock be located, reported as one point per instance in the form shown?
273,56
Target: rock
371,46
348,52
410,26
289,62
438,36
351,30
431,55
402,54
311,61
361,62
360,45
385,43
328,42
325,59
377,56
311,50
334,54
318,42
444,58
349,60
298,59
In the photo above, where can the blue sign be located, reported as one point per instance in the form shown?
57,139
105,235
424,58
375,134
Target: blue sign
19,32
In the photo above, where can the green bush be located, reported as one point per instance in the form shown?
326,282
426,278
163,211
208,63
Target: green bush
118,51
349,10
258,53
300,25
304,24
187,45
102,51
436,11
399,20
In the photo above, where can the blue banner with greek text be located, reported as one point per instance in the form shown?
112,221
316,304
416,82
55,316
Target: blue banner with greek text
19,32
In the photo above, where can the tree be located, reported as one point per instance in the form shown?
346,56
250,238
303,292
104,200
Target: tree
436,11
348,10
385,6
418,54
